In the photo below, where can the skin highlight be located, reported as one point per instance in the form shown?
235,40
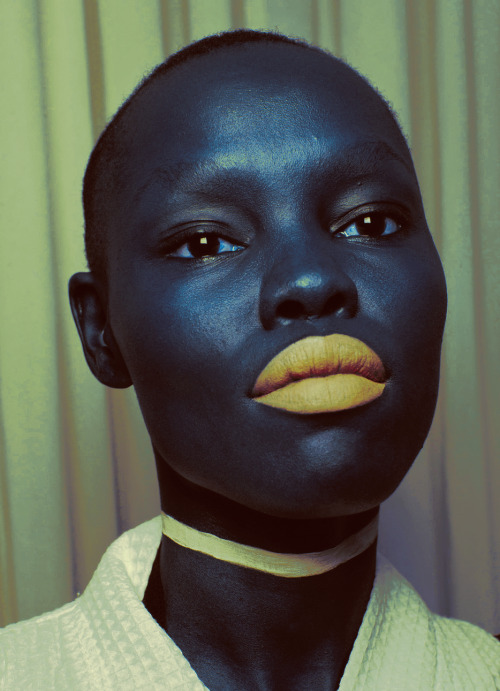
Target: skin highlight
273,178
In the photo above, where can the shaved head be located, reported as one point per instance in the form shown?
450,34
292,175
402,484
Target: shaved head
104,171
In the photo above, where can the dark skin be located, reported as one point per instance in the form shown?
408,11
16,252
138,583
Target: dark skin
237,229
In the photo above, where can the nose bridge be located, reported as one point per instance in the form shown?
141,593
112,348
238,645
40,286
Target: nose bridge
306,277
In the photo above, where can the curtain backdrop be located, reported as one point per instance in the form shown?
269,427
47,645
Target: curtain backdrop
76,468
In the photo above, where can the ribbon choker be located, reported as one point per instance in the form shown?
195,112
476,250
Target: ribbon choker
285,565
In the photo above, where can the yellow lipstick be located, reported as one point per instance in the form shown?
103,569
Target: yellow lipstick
321,374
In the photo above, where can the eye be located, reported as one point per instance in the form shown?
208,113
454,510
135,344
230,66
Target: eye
371,225
203,245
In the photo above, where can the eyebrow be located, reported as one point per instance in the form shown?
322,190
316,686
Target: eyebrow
366,157
353,162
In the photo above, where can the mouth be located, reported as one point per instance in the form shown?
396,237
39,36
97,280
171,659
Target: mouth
321,374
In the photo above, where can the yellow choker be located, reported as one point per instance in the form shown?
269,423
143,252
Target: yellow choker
286,565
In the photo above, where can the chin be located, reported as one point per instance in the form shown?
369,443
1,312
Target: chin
318,482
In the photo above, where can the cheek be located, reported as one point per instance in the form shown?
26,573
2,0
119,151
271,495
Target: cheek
179,345
422,311
407,294
408,301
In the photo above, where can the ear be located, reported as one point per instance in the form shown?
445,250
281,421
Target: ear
99,345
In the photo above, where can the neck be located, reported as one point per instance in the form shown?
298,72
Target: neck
289,565
242,628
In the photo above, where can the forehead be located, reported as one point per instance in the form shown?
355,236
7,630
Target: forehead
255,106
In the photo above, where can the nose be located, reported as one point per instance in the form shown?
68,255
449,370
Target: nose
307,285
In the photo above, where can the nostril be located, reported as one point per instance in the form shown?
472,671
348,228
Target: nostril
336,304
296,309
291,309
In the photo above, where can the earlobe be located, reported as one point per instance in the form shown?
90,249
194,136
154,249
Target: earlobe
99,345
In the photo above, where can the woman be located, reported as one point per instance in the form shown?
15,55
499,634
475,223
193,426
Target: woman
262,272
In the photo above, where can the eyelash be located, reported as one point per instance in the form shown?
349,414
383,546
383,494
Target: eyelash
372,218
208,235
176,244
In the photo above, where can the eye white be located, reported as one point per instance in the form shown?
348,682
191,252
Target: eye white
224,247
366,226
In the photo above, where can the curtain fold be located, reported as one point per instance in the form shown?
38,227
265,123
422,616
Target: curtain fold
76,467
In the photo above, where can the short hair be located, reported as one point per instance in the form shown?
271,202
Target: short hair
108,153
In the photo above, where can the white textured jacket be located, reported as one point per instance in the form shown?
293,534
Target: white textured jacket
106,639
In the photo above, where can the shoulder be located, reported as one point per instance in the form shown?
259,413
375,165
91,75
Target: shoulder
76,645
466,653
32,650
442,653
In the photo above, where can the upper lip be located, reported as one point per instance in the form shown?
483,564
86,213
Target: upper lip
319,356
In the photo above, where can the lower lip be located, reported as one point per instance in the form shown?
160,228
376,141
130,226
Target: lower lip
323,394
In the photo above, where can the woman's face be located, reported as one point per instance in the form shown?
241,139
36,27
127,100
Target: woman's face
240,227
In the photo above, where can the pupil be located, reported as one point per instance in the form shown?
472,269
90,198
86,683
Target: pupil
204,245
372,225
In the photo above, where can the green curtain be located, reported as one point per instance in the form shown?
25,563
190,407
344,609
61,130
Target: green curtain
75,464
